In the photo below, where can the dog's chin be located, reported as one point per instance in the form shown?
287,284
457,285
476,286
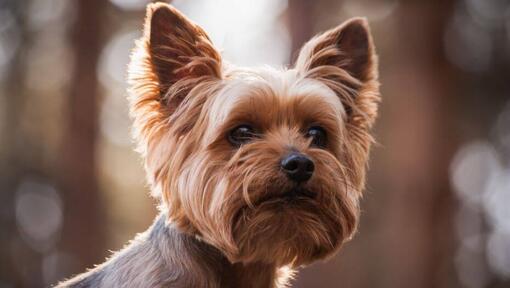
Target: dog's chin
288,229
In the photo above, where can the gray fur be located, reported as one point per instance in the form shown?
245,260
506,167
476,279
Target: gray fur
163,256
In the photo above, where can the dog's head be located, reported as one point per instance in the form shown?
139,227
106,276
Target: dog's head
266,165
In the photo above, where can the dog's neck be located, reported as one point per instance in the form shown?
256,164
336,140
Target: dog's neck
199,263
163,256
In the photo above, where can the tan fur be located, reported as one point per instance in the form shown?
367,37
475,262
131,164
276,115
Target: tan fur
185,100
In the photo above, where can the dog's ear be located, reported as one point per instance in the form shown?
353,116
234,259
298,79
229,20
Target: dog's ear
173,58
344,59
172,49
179,49
348,46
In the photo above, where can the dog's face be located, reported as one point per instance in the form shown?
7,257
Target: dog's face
265,165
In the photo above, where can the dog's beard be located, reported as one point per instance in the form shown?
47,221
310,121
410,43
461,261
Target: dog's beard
294,227
293,231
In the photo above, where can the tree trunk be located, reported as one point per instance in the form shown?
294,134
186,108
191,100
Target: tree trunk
83,231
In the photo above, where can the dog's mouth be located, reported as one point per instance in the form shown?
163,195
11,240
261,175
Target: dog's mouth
292,195
299,193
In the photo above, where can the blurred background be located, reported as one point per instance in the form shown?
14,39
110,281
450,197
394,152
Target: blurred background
437,209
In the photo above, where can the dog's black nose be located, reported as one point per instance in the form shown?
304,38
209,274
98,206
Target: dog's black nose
298,167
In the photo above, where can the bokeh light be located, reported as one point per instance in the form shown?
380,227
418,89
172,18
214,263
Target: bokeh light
9,40
130,4
38,214
482,183
373,10
247,32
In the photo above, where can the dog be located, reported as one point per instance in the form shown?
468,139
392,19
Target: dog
258,170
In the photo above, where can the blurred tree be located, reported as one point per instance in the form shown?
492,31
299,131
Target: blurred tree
301,17
83,230
11,148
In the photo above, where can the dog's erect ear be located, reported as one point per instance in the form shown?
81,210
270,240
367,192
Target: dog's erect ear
348,46
173,49
179,48
172,58
344,59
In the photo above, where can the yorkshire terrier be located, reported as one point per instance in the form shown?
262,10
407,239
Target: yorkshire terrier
259,171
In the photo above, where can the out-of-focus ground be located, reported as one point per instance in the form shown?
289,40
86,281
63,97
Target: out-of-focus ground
437,209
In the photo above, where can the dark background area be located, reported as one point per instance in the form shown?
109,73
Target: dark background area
437,209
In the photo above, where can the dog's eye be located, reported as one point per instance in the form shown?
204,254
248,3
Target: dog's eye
241,134
318,135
